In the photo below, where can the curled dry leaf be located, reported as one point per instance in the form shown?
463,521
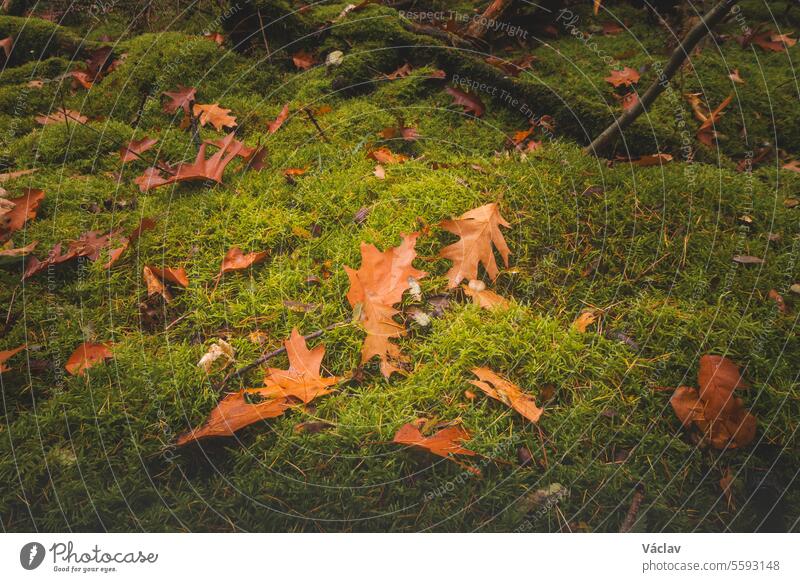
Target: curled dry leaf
219,356
484,297
376,287
214,114
470,103
236,260
445,443
748,260
479,229
714,410
87,355
9,254
7,355
506,392
157,279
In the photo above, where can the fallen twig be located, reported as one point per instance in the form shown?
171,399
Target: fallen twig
633,510
679,55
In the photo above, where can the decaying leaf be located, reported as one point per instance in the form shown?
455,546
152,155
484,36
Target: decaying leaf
9,254
484,297
479,229
218,357
61,116
376,287
384,155
714,410
282,116
87,355
15,212
506,392
303,60
470,103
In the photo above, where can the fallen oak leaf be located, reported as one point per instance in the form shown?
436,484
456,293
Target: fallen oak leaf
236,260
303,60
383,155
506,392
214,114
24,209
470,103
114,254
302,380
479,229
623,77
403,71
445,443
376,287
584,320
233,413
7,355
220,351
7,44
181,98
61,116
134,148
9,254
87,355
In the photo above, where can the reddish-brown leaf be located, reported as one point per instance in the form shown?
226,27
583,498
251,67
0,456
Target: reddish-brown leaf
61,116
506,392
181,98
214,114
479,229
377,286
113,255
282,116
384,155
136,147
470,103
403,71
24,209
446,443
484,297
236,260
303,60
623,77
86,356
7,44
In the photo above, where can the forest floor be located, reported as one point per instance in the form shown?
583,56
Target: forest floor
647,250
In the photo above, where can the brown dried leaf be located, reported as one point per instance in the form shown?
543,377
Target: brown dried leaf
86,356
506,392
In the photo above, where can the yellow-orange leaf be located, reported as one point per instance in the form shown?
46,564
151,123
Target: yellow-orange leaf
87,355
215,115
8,354
445,443
479,229
377,286
484,297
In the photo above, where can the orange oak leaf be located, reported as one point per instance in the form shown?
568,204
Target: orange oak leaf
444,443
7,44
181,98
506,392
155,285
214,114
302,380
484,297
235,412
706,134
470,103
584,320
24,209
202,169
774,42
87,355
236,260
135,147
376,287
7,355
403,71
623,77
114,254
282,116
479,229
714,410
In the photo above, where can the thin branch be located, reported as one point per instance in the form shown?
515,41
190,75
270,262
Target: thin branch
633,510
436,33
679,55
495,10
316,124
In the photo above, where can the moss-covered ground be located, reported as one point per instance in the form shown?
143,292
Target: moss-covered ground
651,249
